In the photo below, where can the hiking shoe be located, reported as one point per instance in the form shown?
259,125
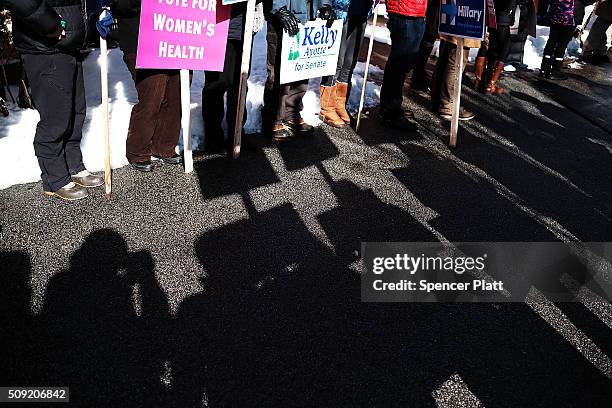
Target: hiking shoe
280,133
145,166
464,114
299,126
174,159
87,180
70,192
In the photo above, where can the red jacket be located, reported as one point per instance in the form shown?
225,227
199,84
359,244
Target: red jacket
410,8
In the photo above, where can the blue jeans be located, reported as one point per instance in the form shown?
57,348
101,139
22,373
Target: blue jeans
406,36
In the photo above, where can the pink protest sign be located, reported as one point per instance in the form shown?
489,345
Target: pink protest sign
183,34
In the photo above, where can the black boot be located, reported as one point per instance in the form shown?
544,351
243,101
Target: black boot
556,74
546,66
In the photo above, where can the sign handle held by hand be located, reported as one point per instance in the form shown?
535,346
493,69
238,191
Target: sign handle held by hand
457,92
105,113
367,67
244,76
186,119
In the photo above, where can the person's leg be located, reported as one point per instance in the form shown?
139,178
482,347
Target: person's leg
499,47
447,84
168,126
406,35
215,87
274,108
565,36
448,80
595,44
292,97
420,79
359,33
329,87
343,73
549,50
233,95
151,89
51,78
437,77
74,157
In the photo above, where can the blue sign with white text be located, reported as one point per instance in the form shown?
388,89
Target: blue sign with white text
463,18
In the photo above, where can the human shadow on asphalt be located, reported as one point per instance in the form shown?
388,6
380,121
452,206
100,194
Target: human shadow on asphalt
309,150
16,321
279,323
219,176
592,103
102,330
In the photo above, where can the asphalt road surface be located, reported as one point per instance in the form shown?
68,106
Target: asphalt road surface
238,285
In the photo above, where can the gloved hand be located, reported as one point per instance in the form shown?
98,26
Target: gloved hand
105,23
288,20
327,13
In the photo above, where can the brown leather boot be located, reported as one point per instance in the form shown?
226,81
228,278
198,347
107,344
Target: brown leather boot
479,69
341,94
495,72
328,107
70,192
87,180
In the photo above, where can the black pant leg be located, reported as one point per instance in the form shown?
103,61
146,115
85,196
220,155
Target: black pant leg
273,109
74,156
216,86
233,93
553,39
565,36
52,80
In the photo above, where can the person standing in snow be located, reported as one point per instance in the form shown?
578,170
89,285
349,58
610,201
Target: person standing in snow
336,88
217,84
50,35
155,123
407,26
561,32
282,119
595,50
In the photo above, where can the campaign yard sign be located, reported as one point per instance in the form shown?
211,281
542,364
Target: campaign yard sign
312,53
463,18
183,34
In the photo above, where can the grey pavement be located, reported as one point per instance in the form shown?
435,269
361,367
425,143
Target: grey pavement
238,285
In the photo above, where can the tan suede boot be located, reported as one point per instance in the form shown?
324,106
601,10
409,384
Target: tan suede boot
328,110
341,94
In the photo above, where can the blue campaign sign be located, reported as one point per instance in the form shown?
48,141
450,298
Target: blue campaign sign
463,18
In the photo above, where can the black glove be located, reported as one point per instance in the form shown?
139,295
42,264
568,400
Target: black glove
327,13
288,20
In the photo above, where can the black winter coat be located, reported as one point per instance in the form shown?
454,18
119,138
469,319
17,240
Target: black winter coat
127,13
30,38
36,14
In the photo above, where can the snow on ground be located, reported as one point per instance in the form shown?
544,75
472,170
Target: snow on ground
17,160
381,34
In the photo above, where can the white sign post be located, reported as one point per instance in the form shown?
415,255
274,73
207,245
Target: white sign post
244,76
105,113
312,53
186,119
457,94
367,67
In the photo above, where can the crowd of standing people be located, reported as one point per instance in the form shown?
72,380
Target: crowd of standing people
50,34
